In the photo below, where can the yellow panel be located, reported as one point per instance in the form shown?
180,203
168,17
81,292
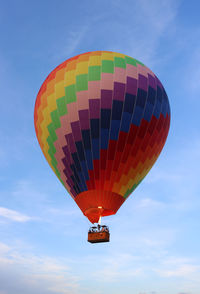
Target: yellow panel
70,78
82,67
40,116
118,185
45,135
123,190
46,149
107,56
47,120
46,116
95,60
51,101
59,90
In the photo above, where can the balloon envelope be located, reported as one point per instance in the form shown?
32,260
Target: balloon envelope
101,119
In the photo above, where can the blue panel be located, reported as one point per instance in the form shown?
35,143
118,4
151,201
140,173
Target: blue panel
115,125
141,98
85,170
88,154
165,103
117,109
76,177
94,125
80,150
82,181
158,105
148,112
129,102
105,118
137,116
104,138
76,161
86,139
168,109
159,94
151,95
95,148
126,121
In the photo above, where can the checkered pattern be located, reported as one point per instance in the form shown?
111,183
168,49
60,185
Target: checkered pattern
101,119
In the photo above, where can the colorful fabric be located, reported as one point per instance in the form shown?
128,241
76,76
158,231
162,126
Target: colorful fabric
101,119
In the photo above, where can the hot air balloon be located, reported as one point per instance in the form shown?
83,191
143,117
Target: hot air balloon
101,119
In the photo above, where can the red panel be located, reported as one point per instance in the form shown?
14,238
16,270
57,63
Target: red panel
126,152
132,134
117,160
121,141
112,149
103,157
96,168
108,169
143,128
89,203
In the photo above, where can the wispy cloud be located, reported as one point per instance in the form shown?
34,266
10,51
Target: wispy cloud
72,41
13,215
34,274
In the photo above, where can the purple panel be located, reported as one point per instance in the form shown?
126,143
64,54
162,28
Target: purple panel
70,141
142,82
67,154
119,91
84,119
158,82
76,131
106,98
131,86
94,105
152,81
68,178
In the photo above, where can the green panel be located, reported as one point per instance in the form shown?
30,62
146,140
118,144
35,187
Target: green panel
139,62
120,62
52,132
129,191
56,170
130,60
51,145
82,82
61,105
94,73
108,66
52,156
55,119
70,93
54,163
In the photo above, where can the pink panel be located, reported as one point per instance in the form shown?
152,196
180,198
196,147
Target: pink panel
107,81
82,100
94,89
120,75
131,71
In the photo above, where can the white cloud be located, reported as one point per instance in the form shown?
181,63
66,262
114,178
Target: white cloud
13,215
186,268
34,274
72,41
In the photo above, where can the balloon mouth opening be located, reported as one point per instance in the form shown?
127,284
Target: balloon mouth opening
95,204
94,213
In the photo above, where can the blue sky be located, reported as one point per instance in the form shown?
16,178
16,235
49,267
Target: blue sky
155,239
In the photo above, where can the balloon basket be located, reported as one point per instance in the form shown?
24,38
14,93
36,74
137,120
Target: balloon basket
98,234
